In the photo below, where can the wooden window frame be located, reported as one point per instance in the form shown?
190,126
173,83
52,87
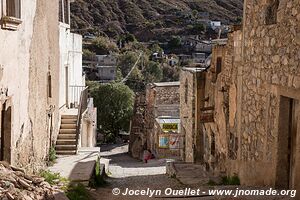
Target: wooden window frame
11,17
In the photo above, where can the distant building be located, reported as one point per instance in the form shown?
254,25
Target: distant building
160,120
215,24
106,60
106,73
199,58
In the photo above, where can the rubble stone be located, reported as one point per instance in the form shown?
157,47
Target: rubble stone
15,184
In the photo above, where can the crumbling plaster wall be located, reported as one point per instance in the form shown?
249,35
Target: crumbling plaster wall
26,57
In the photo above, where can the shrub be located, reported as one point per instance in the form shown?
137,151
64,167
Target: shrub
234,180
52,178
78,192
52,155
98,180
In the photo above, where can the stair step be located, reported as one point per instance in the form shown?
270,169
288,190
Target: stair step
66,152
65,147
68,121
67,131
69,116
68,126
66,136
66,142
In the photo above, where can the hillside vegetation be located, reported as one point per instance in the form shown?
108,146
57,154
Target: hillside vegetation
148,19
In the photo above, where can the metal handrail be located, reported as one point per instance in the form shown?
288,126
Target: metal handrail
81,108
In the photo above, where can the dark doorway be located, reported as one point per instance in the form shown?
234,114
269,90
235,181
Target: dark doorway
5,145
286,143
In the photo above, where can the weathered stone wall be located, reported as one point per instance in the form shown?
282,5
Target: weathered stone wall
27,56
271,69
162,99
220,136
167,100
187,112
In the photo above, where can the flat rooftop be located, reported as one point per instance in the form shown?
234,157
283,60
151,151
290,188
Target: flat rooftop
166,84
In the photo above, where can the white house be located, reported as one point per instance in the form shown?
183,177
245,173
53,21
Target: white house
215,24
78,115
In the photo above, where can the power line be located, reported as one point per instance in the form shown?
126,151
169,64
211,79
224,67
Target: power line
126,78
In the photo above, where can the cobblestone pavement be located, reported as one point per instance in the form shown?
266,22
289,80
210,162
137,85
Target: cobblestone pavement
126,172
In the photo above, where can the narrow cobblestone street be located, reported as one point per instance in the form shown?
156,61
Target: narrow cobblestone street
126,172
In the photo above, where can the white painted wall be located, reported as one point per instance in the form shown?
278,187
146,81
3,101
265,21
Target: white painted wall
70,45
14,68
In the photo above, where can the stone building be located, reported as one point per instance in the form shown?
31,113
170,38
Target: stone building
220,140
253,89
162,119
29,67
269,94
156,121
191,100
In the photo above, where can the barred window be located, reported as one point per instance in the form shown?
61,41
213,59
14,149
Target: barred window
13,8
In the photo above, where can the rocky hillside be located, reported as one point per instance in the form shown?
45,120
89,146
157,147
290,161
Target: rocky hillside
147,19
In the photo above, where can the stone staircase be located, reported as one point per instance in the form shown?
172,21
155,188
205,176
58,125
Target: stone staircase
66,140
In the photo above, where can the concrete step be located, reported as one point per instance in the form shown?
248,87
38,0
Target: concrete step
66,136
65,147
66,142
68,121
66,152
67,131
68,126
69,116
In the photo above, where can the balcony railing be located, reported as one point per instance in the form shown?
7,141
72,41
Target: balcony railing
74,95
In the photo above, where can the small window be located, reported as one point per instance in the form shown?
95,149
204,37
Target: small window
49,85
219,65
186,93
271,12
112,71
13,8
64,11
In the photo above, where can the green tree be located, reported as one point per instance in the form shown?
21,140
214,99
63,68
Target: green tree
174,43
126,61
114,102
103,45
153,72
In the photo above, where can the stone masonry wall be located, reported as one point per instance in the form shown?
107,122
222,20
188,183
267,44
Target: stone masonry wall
187,112
271,70
220,137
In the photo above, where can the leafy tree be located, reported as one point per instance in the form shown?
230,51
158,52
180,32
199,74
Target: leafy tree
153,72
126,61
103,45
87,54
115,104
196,29
170,73
136,80
174,43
